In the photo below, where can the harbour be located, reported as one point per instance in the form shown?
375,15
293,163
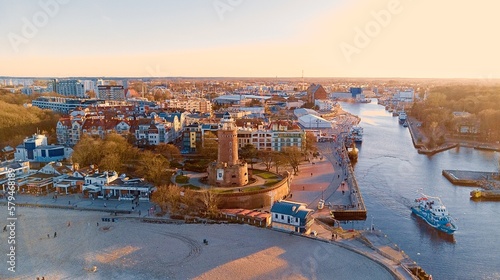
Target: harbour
389,172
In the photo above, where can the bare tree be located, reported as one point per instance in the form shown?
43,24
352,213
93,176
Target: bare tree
266,158
279,160
249,153
168,198
210,201
293,156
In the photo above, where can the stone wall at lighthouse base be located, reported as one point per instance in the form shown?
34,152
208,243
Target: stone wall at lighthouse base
223,175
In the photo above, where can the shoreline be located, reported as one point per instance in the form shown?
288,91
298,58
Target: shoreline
130,249
450,143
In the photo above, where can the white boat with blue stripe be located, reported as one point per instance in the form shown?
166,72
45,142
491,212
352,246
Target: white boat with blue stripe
432,210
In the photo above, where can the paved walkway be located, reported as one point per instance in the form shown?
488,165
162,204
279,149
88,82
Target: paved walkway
76,201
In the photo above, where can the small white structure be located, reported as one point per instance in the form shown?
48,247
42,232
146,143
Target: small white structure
291,216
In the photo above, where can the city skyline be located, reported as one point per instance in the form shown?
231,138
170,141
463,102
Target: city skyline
229,38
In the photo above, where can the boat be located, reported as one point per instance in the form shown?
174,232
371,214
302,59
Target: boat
356,134
352,153
432,210
402,117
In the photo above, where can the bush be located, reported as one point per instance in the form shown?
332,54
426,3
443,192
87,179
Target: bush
196,166
181,179
175,164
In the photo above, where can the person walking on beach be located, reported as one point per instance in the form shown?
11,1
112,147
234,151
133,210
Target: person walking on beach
48,236
55,234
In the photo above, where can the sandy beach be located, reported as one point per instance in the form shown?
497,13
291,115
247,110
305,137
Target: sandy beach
130,249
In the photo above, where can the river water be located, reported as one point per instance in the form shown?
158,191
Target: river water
390,171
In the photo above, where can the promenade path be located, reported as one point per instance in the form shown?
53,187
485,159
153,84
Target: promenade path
77,202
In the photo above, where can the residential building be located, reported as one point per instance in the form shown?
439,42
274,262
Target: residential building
70,88
291,216
275,137
201,105
191,136
109,92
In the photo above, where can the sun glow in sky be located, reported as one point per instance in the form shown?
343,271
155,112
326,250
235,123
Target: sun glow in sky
260,38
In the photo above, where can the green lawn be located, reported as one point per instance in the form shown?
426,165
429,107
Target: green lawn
265,174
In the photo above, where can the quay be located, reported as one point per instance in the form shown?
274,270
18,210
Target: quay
469,178
485,194
425,151
487,148
331,178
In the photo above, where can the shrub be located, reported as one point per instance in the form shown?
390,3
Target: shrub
181,179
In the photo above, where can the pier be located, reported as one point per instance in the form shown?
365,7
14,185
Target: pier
354,205
470,178
331,178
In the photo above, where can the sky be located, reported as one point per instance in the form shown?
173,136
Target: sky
250,38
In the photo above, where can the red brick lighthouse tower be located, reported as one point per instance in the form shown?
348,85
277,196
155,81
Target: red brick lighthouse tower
228,170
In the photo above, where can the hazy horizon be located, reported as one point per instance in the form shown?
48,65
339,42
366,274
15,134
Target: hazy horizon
398,39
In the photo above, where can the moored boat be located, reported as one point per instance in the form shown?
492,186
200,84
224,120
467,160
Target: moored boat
356,134
432,210
402,117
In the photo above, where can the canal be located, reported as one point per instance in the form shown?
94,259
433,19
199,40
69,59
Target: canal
390,171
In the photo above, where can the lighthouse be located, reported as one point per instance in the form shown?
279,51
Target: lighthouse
228,170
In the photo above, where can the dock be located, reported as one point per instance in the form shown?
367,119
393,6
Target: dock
425,151
470,178
485,195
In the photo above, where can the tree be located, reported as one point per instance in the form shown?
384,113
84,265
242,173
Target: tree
249,153
279,160
188,200
169,151
111,161
153,167
310,146
266,158
293,156
167,197
86,152
210,201
209,147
